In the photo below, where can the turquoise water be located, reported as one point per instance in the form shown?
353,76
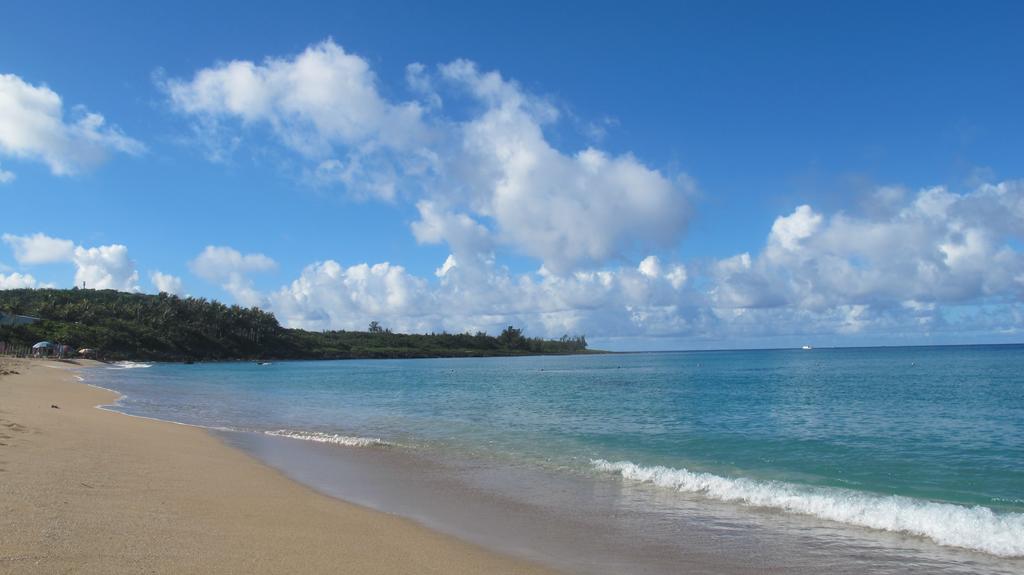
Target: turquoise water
922,441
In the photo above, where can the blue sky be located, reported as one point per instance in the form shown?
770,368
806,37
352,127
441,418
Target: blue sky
584,140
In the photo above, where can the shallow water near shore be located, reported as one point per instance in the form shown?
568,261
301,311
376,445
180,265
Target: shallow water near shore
852,460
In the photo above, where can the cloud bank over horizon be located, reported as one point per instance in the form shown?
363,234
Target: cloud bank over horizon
923,263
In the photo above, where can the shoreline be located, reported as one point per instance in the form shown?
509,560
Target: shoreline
571,516
88,490
533,518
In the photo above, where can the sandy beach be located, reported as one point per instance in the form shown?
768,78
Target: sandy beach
83,490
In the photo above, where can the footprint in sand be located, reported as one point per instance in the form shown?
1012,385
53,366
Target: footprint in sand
14,426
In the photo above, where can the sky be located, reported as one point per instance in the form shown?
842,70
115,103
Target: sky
677,175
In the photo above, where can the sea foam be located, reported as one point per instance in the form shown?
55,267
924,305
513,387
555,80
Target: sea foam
129,365
332,438
977,528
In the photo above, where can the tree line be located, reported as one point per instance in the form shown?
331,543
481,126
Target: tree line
166,327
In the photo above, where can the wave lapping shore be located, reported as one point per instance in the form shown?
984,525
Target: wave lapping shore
332,438
977,528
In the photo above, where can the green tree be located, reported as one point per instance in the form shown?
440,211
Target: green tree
512,338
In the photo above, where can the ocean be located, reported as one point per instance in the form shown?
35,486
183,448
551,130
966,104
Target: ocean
881,460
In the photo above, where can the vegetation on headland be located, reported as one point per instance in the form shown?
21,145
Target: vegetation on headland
165,327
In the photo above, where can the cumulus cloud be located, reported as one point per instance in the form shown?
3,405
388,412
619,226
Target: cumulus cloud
321,96
16,280
40,248
568,210
219,262
420,81
328,295
675,274
105,267
924,263
229,268
101,267
321,103
33,126
907,258
166,283
467,238
491,178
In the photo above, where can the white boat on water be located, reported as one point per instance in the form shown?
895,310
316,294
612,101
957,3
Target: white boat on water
806,347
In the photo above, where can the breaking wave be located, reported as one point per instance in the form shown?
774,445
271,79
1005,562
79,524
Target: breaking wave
129,365
977,528
332,438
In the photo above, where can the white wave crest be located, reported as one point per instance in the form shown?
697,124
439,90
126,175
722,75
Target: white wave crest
977,528
129,365
343,440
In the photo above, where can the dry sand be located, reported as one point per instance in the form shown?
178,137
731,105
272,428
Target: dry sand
84,490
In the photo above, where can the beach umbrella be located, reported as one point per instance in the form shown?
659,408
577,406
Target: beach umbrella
42,345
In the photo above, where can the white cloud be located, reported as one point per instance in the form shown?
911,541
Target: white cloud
6,176
216,263
929,263
492,178
40,248
789,231
320,99
229,267
328,294
568,210
906,259
17,281
650,266
365,176
32,126
321,96
677,276
105,267
449,264
102,267
166,283
419,81
467,238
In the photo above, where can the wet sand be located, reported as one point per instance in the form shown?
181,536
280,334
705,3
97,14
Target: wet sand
83,490
587,524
